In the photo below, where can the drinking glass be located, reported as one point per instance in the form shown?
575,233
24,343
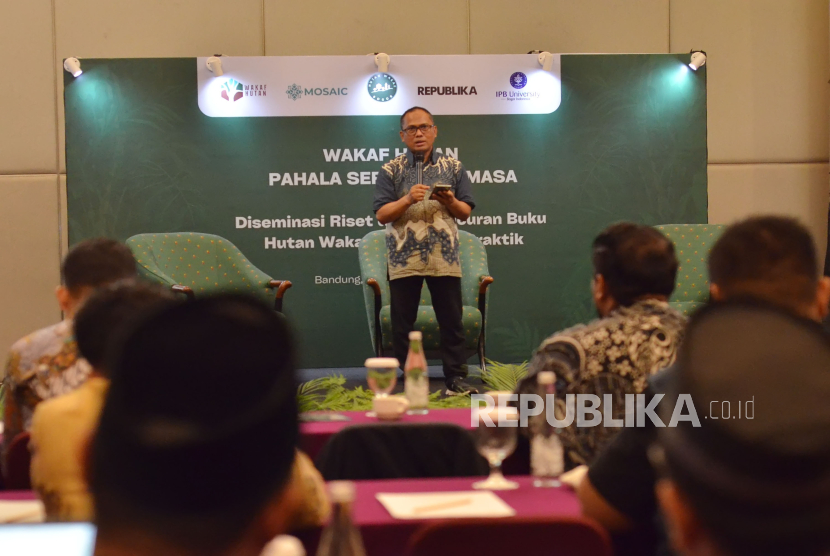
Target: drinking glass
382,375
495,444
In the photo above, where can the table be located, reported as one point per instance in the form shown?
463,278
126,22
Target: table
8,495
385,536
313,435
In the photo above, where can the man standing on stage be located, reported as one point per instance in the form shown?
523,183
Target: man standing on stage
422,240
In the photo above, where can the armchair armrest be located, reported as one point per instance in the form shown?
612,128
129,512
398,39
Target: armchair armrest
178,288
372,283
484,282
281,286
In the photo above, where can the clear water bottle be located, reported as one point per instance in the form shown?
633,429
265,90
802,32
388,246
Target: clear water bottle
416,386
547,458
341,537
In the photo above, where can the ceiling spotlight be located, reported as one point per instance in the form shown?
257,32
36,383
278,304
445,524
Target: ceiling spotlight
546,60
73,66
214,64
382,61
698,59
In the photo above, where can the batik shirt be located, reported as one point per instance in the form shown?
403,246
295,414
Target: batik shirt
614,355
424,240
43,365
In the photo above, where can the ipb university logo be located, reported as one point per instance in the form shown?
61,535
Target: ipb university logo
518,80
382,87
232,90
296,92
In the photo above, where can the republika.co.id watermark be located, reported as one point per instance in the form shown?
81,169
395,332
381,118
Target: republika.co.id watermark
589,410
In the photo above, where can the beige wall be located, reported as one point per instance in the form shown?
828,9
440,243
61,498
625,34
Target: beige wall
767,76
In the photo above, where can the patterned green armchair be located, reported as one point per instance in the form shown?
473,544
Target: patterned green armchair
474,282
194,264
692,243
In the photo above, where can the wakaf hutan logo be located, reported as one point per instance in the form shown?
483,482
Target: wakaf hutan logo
232,90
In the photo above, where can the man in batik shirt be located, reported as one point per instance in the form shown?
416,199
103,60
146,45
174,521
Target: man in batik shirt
46,363
422,241
636,335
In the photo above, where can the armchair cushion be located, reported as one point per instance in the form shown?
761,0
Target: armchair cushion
473,267
692,244
205,263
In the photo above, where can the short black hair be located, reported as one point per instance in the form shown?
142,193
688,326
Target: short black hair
199,429
413,109
758,484
96,262
635,260
103,318
770,258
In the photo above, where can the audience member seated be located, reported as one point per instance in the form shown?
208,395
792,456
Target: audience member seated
769,259
194,451
636,335
46,363
62,426
752,476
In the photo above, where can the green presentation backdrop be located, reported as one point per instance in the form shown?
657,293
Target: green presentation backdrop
628,142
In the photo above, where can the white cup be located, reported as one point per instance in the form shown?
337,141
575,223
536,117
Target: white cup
390,408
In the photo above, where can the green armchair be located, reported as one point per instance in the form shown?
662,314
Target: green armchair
692,243
474,282
195,264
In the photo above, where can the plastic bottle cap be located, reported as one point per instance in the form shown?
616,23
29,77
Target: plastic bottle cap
546,377
382,363
341,491
416,335
284,545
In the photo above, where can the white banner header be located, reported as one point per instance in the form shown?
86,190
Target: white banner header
260,86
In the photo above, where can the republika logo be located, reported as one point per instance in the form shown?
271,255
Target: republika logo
233,90
296,92
382,87
469,90
518,80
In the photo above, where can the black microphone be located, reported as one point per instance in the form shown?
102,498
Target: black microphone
419,168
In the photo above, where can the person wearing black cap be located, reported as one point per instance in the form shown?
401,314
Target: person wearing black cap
766,258
194,450
752,478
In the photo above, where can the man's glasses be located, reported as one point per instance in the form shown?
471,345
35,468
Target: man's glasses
412,130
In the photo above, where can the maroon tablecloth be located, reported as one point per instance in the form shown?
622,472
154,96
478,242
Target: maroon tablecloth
313,435
17,495
385,536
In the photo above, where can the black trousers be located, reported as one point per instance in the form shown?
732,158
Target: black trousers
405,296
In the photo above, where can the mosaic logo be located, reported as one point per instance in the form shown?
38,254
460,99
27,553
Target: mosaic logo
232,90
382,87
296,92
518,80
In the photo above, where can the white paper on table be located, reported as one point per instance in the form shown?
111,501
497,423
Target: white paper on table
433,505
21,511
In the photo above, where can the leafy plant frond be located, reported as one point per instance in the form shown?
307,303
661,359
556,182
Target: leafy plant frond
330,394
504,376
